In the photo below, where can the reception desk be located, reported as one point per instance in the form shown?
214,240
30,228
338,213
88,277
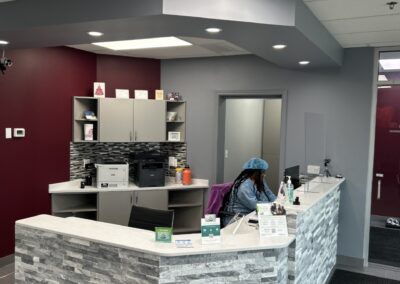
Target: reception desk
75,250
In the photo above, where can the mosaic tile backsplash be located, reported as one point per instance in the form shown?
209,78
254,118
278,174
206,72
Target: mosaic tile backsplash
117,152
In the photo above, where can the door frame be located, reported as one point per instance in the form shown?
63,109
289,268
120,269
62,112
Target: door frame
248,94
370,175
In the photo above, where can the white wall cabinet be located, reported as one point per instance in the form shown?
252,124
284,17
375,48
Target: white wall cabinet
149,120
115,207
127,120
116,120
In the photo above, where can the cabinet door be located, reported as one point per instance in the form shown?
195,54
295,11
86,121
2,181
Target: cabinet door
115,207
149,120
155,199
115,120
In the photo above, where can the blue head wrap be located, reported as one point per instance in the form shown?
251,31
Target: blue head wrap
255,164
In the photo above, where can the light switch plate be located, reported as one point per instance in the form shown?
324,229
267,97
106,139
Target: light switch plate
19,132
311,169
8,133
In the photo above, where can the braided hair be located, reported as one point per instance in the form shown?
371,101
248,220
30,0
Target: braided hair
256,174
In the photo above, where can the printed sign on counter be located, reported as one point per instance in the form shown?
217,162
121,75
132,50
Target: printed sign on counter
272,226
163,234
210,230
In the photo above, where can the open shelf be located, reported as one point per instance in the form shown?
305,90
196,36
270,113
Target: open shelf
83,205
178,124
81,208
184,205
182,223
80,105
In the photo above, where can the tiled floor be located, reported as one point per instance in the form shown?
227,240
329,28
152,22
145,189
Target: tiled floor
7,274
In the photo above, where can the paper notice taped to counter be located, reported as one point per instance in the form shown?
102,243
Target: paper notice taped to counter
272,226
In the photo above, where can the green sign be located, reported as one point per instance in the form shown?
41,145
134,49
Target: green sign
163,234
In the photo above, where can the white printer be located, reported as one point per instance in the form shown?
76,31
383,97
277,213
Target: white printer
112,175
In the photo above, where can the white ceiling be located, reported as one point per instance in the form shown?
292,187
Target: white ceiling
357,23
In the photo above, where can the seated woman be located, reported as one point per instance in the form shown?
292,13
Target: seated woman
248,189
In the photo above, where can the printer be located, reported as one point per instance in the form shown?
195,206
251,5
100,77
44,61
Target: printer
112,175
148,168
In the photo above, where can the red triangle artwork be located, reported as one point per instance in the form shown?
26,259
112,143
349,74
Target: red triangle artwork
99,90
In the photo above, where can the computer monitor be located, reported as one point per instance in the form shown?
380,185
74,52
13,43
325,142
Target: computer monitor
294,173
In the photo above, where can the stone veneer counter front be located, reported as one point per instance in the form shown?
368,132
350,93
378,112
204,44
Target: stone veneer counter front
72,250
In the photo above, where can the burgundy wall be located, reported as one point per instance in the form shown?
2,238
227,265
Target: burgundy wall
121,72
36,94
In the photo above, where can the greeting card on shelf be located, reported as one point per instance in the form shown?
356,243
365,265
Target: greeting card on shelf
141,94
122,93
99,89
159,95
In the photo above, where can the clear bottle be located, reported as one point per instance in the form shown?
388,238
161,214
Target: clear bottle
178,175
290,190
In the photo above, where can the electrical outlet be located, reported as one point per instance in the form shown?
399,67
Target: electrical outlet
311,169
85,162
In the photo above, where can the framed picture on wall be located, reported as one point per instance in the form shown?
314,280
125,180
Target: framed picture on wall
174,136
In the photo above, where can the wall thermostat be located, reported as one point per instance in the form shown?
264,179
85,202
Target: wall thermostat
19,132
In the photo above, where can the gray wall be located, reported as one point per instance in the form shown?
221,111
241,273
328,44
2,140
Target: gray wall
343,95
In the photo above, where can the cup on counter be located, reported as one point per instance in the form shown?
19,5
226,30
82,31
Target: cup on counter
82,184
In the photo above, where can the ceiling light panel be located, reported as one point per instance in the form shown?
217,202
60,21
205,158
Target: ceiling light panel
304,62
3,42
382,78
390,64
384,87
158,42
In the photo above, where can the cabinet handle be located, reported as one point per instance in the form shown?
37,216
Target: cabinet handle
137,199
135,135
130,135
131,199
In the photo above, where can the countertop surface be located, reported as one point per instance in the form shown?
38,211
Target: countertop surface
143,240
309,194
246,239
73,186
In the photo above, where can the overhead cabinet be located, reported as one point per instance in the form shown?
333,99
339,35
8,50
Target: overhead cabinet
149,120
116,120
127,120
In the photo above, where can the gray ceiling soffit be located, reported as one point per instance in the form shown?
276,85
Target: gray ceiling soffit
132,19
269,12
36,13
312,29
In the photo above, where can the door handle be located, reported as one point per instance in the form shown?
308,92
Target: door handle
398,179
378,195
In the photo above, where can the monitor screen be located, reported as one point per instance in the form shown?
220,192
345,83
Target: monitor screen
294,173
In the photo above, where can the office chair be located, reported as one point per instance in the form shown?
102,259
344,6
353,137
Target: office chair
147,218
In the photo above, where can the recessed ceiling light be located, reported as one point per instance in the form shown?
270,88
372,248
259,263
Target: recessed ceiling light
155,42
3,42
304,62
2,1
213,30
390,64
279,46
382,78
95,34
384,87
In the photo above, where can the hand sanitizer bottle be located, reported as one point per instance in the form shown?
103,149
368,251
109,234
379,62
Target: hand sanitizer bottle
290,192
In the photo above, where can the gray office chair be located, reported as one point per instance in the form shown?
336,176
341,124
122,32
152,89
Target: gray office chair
147,218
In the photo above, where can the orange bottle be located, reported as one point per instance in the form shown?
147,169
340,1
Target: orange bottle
187,176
